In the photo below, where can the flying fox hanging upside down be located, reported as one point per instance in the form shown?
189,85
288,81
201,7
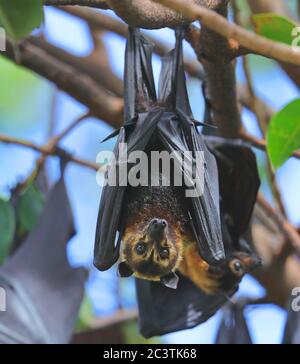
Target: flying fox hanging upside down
158,241
161,231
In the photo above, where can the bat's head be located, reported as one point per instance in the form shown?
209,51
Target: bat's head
236,266
241,263
151,250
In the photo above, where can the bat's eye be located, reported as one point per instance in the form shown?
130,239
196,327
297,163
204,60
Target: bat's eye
141,248
237,267
164,253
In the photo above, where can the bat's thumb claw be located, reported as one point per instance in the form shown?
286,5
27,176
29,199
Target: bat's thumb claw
170,280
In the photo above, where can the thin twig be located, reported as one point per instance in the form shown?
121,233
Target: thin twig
98,72
46,151
56,139
100,4
119,317
288,230
51,145
263,125
261,143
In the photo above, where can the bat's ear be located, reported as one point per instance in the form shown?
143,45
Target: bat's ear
170,280
124,270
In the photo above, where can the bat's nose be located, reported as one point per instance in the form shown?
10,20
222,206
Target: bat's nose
256,262
159,224
253,262
157,228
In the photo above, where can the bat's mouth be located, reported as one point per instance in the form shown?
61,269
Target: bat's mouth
253,263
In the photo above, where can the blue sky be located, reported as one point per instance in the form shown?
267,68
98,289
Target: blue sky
265,323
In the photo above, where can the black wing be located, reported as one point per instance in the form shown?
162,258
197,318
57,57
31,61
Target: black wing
292,327
239,177
179,134
233,328
139,125
109,227
158,315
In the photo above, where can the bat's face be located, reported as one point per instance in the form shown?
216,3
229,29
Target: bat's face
237,266
151,250
243,263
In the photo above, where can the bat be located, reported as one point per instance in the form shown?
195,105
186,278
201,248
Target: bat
43,292
292,327
161,124
159,230
233,328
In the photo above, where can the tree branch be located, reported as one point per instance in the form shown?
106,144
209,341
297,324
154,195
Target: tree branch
220,25
107,22
287,229
262,121
80,86
193,68
215,54
151,14
106,329
253,102
100,4
279,274
119,317
148,14
46,150
261,143
103,75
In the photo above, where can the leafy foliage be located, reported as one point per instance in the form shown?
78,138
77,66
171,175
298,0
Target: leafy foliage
284,133
29,208
7,227
20,17
131,335
275,27
86,314
31,93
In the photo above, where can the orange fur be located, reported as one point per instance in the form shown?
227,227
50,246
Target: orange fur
197,270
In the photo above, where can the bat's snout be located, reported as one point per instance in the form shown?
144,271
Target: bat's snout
157,229
254,262
251,262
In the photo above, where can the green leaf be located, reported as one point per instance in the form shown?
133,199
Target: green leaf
283,136
29,208
7,227
86,315
275,27
20,17
31,93
132,335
